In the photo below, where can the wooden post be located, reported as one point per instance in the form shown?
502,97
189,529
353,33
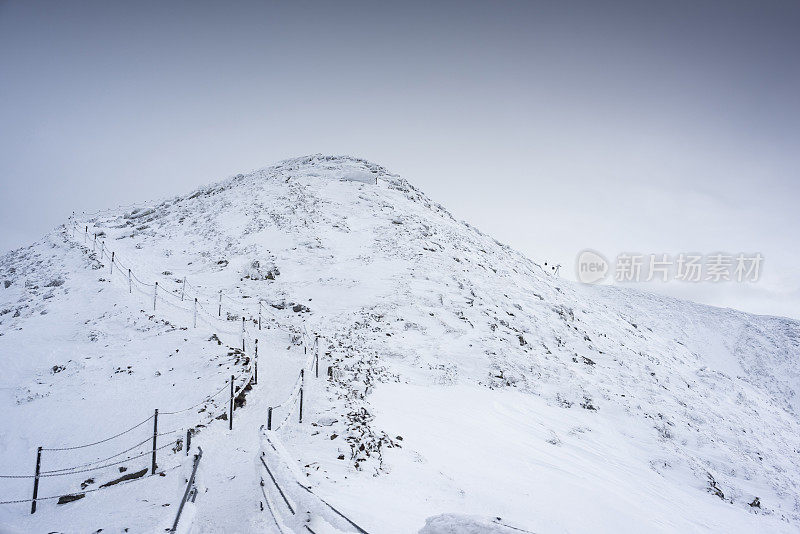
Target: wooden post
183,288
112,263
36,479
316,365
188,441
155,296
194,324
155,436
302,383
269,418
230,422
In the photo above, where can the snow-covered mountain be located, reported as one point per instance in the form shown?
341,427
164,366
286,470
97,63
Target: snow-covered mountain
459,383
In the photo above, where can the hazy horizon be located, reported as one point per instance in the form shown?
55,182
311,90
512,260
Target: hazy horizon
659,128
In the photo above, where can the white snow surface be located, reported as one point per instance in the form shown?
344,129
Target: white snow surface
468,390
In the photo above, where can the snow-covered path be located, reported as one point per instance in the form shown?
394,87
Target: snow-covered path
230,474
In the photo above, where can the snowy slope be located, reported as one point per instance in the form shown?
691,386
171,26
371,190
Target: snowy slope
464,379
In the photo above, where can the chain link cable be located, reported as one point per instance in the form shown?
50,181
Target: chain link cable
97,442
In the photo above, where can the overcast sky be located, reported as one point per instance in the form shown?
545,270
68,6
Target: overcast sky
651,127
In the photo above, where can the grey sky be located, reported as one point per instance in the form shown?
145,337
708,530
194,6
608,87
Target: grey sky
630,126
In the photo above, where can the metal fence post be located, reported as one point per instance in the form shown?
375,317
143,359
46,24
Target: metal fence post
302,383
230,422
36,479
155,436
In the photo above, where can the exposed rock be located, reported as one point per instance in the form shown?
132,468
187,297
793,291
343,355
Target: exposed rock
123,478
64,499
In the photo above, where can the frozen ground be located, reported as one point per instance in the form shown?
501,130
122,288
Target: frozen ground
469,391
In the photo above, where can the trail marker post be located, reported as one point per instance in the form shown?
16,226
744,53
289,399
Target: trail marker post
183,288
255,365
155,296
112,262
130,285
194,323
155,437
220,303
36,479
94,243
243,334
188,441
269,418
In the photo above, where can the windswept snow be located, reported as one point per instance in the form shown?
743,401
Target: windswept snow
465,383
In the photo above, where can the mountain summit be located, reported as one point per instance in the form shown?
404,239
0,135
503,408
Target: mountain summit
461,386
